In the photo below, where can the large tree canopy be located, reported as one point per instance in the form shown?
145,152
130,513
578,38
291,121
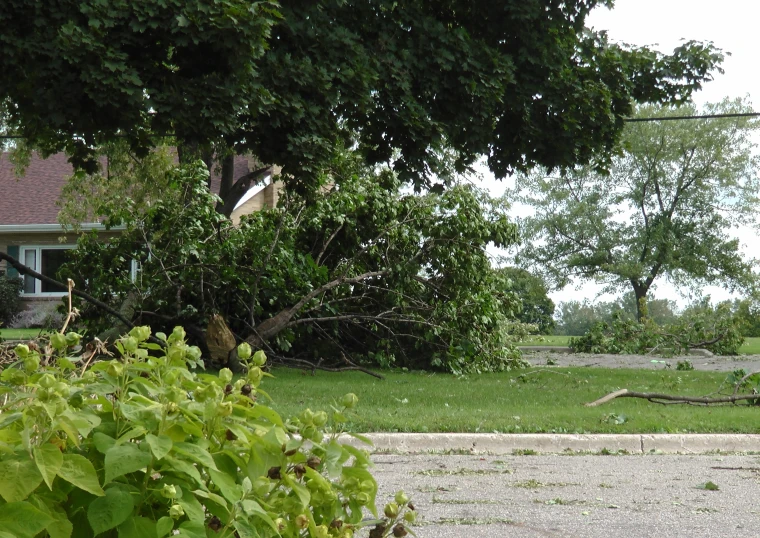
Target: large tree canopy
520,81
667,209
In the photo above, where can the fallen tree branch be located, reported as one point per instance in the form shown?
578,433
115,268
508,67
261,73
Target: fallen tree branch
655,397
291,362
24,270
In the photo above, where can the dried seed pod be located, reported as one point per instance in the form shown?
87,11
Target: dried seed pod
314,462
215,524
274,473
399,530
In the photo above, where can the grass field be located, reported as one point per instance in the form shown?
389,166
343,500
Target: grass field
531,401
20,334
751,345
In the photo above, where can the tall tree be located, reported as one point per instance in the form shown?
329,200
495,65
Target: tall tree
521,81
665,211
537,308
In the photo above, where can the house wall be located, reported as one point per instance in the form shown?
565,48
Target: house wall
265,198
38,239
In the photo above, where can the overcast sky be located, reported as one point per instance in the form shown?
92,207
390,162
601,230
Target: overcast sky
732,26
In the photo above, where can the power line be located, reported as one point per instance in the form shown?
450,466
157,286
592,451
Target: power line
697,117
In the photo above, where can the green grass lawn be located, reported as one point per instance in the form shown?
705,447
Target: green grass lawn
530,401
20,334
751,345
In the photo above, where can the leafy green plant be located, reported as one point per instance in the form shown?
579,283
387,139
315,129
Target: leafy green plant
10,298
684,365
714,328
145,445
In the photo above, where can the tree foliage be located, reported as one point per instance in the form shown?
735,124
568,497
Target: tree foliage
365,270
575,318
537,308
715,328
521,81
665,211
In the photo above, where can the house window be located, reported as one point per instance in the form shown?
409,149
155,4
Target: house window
46,260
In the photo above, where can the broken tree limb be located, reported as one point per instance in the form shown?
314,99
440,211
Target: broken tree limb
24,270
659,398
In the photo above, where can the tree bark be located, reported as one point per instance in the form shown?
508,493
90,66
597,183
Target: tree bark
640,292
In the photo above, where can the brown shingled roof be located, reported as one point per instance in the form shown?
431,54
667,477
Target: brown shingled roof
31,199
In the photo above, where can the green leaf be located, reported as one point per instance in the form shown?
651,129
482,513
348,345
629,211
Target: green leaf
262,411
137,527
195,453
22,520
709,486
49,460
192,529
227,486
103,442
164,526
78,470
193,508
124,459
245,529
19,477
159,445
183,467
110,511
8,419
252,508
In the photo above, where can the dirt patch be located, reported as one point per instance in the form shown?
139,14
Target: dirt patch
749,363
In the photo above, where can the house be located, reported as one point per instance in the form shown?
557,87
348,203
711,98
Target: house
30,232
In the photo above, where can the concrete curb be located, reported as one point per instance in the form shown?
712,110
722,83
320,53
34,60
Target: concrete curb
492,443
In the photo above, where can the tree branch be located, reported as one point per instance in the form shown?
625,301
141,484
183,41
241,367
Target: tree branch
655,397
24,270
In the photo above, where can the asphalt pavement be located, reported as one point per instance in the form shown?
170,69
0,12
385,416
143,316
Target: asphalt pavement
561,492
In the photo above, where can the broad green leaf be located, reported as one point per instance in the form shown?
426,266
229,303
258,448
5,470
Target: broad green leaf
9,418
192,507
300,490
78,470
192,529
245,529
110,511
103,442
61,527
227,486
334,458
19,477
49,460
252,508
262,411
183,467
137,527
164,526
195,453
159,445
22,520
83,421
125,459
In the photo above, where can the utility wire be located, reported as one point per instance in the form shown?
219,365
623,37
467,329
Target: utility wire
629,120
698,117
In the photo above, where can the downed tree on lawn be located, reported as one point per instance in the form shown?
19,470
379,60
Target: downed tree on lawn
360,274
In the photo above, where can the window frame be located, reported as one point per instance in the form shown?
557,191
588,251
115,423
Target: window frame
38,267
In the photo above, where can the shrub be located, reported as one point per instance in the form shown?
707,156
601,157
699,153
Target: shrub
10,298
41,315
712,328
143,445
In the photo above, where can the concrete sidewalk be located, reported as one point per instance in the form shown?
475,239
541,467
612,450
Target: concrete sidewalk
490,443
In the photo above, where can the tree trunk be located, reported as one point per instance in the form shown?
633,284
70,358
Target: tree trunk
640,292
